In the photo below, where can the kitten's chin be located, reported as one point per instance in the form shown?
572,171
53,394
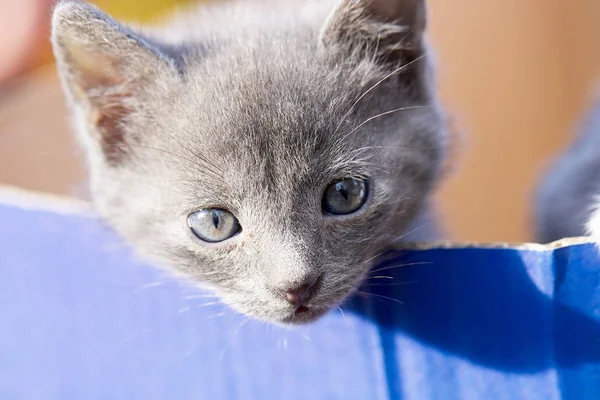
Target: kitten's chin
288,319
302,318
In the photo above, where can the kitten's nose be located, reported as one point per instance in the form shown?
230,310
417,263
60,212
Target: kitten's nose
297,293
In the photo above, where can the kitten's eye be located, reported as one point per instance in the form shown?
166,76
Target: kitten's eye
213,225
345,196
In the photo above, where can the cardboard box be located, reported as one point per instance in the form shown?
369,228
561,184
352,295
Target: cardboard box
83,320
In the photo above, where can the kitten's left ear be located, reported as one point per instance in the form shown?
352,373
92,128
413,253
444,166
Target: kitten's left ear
108,71
390,30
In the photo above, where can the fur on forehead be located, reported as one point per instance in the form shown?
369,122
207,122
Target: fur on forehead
297,104
115,76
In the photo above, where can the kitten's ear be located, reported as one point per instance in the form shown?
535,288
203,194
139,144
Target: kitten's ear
387,30
106,69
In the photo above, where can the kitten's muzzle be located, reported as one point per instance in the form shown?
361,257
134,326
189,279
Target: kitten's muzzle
297,293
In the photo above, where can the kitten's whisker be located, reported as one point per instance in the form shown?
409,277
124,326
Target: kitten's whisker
222,354
200,296
383,114
149,286
242,324
211,303
380,277
365,164
203,305
411,232
365,295
235,335
342,312
389,267
389,147
382,297
378,250
394,72
392,284
380,253
190,352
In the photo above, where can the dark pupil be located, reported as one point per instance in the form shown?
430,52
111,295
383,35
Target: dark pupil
341,188
215,218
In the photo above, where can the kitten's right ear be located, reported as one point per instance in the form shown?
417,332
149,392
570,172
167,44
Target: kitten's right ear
389,31
106,69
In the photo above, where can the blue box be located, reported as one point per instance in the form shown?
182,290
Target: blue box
83,320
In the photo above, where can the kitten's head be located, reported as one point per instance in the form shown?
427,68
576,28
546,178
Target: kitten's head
269,167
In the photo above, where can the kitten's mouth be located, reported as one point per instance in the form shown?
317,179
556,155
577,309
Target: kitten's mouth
302,310
303,315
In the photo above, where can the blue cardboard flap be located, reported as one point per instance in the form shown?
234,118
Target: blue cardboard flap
83,320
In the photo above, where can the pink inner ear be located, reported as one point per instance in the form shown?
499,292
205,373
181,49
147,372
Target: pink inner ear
108,119
97,80
99,86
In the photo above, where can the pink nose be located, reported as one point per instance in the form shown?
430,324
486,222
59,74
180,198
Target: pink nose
298,293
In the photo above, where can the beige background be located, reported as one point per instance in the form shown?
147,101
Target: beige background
516,76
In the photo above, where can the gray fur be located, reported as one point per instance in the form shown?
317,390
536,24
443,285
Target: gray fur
256,106
569,192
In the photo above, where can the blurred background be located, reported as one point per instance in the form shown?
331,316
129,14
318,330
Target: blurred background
515,75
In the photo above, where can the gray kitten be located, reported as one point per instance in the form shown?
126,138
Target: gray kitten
268,150
568,199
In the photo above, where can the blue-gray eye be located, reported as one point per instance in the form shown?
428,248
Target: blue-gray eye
213,225
345,196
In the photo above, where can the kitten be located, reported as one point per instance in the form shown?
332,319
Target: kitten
568,199
268,150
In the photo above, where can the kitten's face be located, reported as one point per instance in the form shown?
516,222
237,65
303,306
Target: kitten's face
257,170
